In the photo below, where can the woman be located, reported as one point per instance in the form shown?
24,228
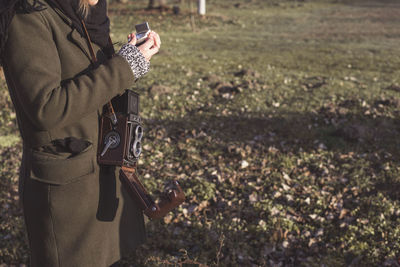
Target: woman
76,212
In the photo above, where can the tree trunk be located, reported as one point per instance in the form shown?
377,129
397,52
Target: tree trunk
151,4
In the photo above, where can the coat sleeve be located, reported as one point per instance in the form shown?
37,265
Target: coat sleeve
32,61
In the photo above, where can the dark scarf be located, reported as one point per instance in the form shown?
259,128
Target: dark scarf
8,8
97,22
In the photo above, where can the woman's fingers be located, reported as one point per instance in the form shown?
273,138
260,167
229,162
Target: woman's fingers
132,38
148,43
146,50
157,40
151,46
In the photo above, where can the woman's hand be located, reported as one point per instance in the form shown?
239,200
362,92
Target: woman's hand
132,39
150,47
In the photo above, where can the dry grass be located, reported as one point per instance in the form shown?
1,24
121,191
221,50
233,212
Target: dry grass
281,121
2,74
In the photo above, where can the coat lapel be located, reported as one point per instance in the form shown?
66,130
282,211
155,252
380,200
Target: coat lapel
75,36
81,42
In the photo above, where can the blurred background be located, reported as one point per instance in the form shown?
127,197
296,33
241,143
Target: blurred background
280,119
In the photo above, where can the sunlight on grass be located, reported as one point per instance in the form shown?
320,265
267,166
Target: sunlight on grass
281,121
9,140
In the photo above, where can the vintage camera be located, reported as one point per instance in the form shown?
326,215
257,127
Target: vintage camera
120,144
120,141
142,32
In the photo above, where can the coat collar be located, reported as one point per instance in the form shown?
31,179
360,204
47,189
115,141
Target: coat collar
74,35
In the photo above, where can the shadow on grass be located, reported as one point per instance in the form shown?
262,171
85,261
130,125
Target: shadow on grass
372,138
293,132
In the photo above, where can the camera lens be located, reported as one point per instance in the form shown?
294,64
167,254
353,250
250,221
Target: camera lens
139,132
137,149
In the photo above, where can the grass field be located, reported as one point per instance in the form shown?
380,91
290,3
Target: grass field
281,121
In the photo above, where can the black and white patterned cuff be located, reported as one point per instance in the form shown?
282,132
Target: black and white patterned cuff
139,65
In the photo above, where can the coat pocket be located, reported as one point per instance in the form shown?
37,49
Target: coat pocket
61,171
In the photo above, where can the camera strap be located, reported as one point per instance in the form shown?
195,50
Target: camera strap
172,198
94,60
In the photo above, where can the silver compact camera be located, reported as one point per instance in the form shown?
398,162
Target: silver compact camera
142,32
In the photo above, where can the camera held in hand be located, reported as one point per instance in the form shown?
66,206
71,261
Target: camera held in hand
142,32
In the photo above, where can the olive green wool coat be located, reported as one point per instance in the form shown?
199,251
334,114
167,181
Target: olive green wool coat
76,212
